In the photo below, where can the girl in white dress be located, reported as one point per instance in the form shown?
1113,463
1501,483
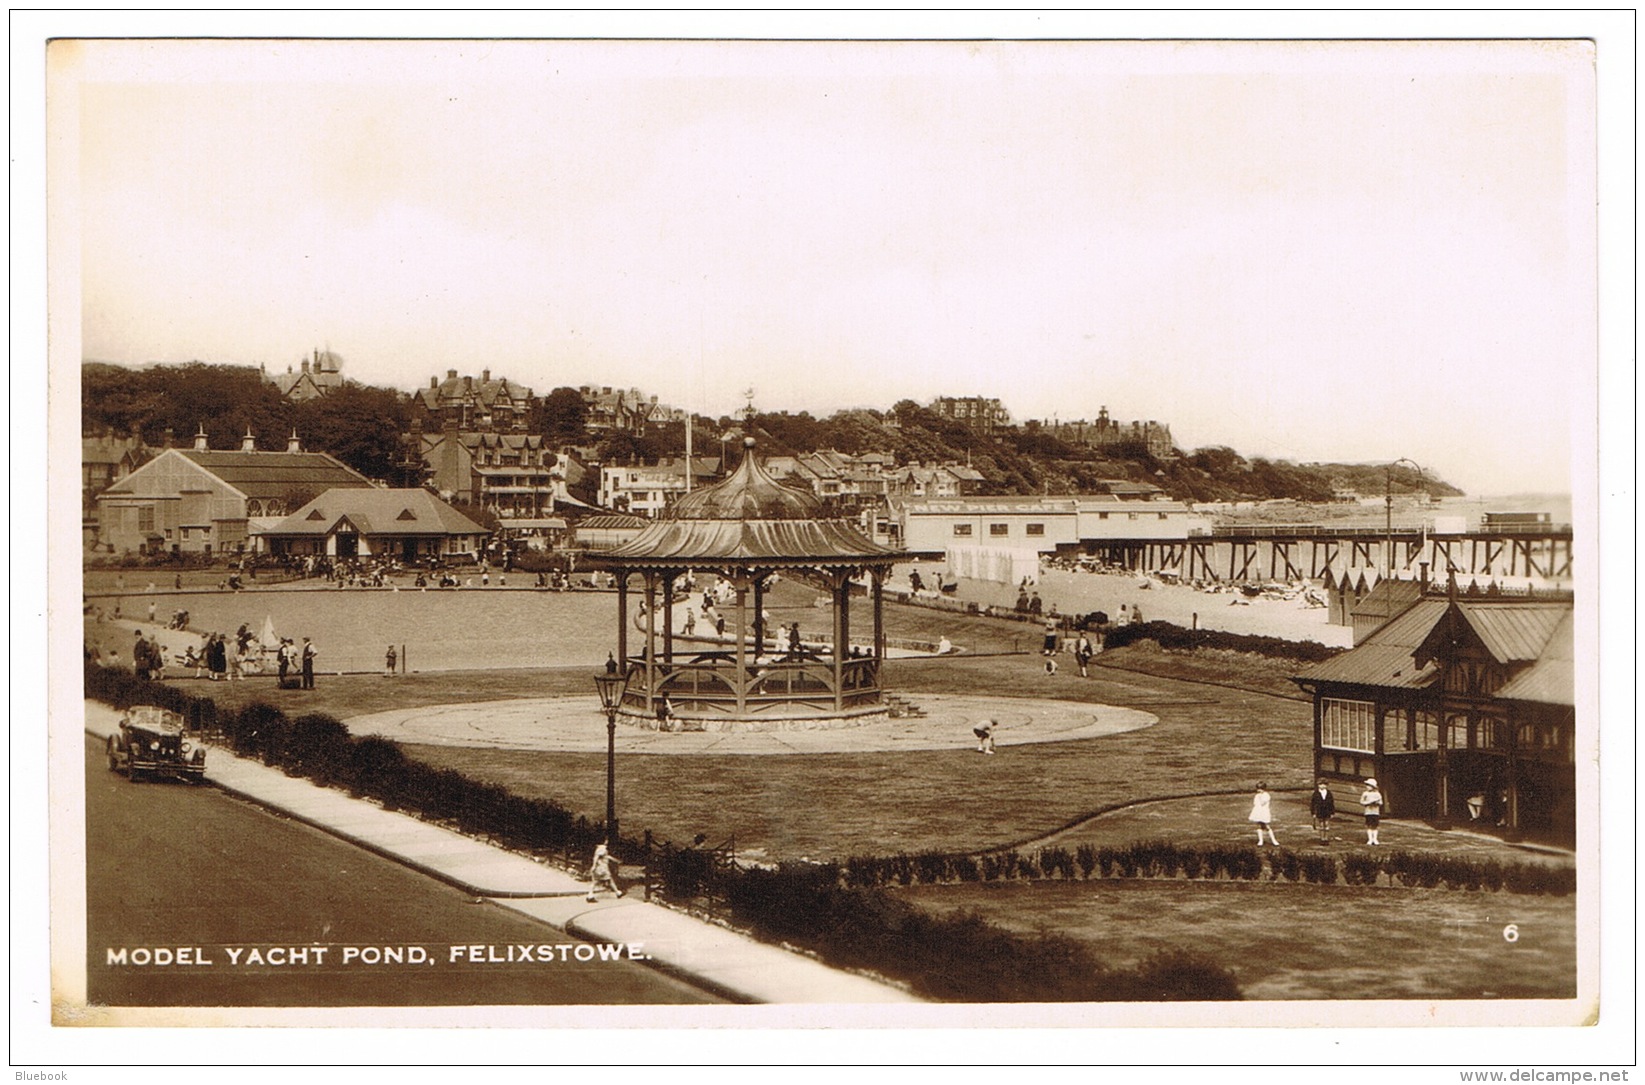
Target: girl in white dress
1262,814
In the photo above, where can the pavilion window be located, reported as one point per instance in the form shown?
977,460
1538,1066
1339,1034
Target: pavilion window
1426,731
1348,725
145,518
1492,732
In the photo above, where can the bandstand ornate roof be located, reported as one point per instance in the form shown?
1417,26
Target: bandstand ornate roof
750,519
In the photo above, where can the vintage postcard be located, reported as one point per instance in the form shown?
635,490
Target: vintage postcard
687,533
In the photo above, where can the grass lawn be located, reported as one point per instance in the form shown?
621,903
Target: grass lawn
1299,941
1224,723
831,806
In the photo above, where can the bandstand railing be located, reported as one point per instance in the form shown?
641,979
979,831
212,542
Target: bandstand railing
792,683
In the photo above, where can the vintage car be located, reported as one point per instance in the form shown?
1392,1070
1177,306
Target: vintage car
151,743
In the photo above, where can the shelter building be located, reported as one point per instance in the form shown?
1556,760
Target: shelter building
1458,697
397,525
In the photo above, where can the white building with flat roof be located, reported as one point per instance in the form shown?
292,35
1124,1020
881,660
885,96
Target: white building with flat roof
1002,538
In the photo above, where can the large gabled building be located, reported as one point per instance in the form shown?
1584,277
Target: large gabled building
470,404
1458,698
514,475
204,501
318,376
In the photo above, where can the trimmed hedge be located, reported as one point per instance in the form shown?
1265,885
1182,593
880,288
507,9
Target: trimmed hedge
1176,638
1226,862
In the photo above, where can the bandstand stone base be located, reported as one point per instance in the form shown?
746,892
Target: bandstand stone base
858,717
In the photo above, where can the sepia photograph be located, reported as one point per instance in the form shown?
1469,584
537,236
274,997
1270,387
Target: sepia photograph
911,533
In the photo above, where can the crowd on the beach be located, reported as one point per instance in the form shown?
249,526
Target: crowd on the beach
1243,591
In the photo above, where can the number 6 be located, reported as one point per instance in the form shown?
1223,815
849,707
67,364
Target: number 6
1510,933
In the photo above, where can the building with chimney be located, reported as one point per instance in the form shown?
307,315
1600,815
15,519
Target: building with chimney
321,371
201,500
975,412
648,490
517,476
1107,434
625,410
480,405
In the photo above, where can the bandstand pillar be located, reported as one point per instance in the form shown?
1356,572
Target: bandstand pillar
622,619
878,576
650,643
759,615
840,589
742,649
668,621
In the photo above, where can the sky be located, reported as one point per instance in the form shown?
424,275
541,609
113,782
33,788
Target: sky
1311,251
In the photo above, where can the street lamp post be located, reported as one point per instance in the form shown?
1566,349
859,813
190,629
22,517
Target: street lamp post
611,685
1388,506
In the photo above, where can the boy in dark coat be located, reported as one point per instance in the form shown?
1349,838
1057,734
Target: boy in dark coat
1322,806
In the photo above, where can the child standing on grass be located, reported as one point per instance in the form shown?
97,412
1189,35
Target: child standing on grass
1262,813
1370,800
1322,805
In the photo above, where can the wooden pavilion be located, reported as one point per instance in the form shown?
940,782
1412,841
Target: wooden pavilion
1463,707
745,529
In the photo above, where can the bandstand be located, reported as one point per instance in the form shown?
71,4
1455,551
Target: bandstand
744,529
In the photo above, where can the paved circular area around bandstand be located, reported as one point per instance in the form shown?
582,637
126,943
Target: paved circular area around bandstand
570,725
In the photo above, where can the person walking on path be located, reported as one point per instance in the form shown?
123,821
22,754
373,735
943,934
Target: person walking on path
1370,800
285,661
1083,653
1322,807
390,661
1262,814
985,736
308,663
602,873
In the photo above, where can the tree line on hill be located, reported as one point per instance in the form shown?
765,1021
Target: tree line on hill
362,425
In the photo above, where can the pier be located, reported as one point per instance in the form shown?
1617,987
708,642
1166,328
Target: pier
1308,552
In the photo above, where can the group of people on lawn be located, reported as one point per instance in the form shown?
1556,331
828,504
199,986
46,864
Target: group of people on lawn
1322,807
